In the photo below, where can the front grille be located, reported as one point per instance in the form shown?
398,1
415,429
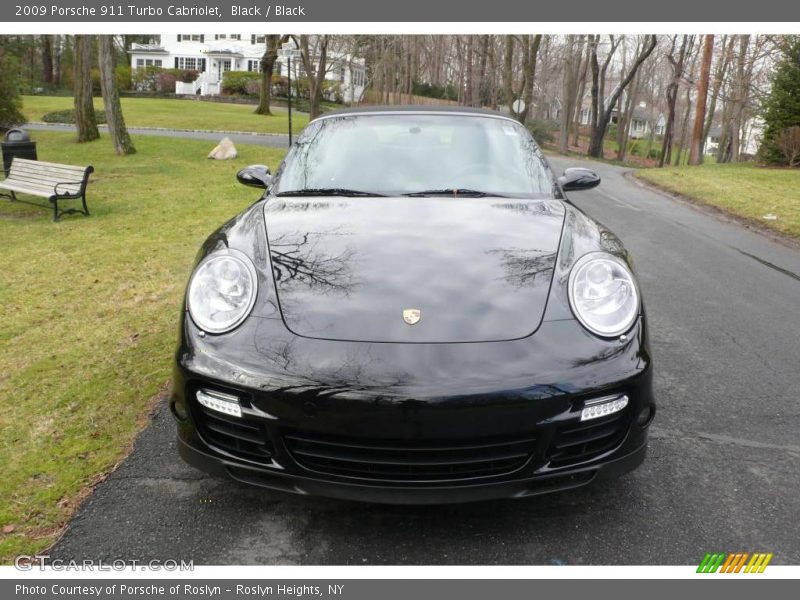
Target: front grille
234,435
409,462
579,442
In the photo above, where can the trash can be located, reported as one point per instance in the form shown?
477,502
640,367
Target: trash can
17,143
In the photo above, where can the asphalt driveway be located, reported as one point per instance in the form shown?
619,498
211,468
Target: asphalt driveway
723,470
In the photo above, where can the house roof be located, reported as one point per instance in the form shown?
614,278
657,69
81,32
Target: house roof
147,49
642,114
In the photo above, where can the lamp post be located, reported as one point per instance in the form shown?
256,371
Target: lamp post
289,51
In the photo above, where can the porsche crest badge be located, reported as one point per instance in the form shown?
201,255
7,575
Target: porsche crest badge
412,315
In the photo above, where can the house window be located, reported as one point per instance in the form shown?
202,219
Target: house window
236,36
358,77
254,65
220,37
258,39
190,63
193,37
148,62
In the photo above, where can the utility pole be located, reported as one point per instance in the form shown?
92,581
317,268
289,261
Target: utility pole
696,149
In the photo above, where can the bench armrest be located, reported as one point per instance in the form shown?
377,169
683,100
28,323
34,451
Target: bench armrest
55,187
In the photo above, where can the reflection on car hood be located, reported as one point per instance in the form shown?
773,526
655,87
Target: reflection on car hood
476,269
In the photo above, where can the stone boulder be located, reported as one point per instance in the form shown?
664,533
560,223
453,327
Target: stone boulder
225,150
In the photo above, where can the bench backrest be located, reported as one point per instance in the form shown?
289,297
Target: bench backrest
46,176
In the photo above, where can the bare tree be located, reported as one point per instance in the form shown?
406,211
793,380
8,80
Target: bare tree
85,119
789,144
573,49
108,82
677,59
529,46
604,117
316,76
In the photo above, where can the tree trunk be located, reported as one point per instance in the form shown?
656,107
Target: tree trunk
696,150
85,118
47,60
579,98
508,72
116,122
678,64
56,45
684,126
719,77
268,61
529,66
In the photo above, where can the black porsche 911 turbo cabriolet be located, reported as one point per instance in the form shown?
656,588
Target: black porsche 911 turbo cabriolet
413,312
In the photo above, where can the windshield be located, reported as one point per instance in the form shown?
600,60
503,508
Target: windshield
395,154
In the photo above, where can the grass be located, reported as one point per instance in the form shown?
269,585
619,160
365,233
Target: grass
741,189
88,316
178,114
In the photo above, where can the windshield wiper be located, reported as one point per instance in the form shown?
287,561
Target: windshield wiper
453,192
327,192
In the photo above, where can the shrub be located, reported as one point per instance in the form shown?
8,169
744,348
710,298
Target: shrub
165,81
443,92
186,75
157,79
542,131
123,76
236,82
68,116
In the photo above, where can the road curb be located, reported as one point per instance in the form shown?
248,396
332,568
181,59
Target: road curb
714,211
168,129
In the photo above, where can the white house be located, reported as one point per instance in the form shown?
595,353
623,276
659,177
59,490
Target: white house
212,55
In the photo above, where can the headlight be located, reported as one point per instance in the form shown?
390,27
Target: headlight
603,294
222,291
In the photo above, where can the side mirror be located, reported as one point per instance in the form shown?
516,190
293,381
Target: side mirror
255,176
578,178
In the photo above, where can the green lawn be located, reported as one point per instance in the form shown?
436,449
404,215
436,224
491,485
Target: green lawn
88,316
178,114
742,189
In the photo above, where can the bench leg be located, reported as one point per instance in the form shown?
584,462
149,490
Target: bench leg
85,208
55,211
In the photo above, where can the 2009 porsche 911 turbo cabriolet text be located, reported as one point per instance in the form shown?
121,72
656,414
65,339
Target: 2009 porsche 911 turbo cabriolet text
413,312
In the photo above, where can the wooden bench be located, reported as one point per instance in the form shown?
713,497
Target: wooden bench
47,180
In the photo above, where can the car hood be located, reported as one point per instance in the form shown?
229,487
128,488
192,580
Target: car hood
355,269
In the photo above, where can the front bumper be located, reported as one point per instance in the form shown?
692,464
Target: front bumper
416,424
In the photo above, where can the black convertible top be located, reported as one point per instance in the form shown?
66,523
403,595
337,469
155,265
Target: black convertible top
411,108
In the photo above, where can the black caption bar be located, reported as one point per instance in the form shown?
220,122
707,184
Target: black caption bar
341,11
105,589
